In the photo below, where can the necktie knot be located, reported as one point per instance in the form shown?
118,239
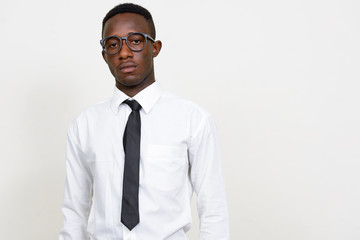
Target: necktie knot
133,104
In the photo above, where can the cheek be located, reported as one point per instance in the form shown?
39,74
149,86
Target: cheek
146,60
111,62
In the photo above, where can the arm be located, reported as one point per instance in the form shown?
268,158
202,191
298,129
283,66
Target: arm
78,190
207,180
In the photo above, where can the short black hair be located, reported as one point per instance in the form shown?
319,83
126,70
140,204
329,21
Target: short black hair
131,8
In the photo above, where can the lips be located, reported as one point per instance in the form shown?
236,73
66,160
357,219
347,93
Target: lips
127,67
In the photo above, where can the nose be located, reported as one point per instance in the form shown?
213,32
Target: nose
125,52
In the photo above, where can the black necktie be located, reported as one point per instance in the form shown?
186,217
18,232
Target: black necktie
131,141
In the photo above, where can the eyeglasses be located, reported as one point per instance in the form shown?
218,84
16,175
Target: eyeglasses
135,41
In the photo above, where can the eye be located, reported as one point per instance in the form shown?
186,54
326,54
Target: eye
135,41
111,43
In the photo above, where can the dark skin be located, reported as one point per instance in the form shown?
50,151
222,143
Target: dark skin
133,71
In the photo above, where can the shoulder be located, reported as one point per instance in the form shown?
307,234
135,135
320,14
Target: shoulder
96,109
180,109
182,105
91,113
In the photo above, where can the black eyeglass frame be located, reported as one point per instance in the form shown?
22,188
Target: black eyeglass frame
146,36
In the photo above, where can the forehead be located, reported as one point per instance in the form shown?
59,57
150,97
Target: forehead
125,23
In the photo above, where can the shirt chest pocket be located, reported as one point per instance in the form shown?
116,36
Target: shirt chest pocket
165,167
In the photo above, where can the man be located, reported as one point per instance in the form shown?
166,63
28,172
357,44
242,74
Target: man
134,160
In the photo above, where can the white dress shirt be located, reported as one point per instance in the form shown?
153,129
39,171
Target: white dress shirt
179,154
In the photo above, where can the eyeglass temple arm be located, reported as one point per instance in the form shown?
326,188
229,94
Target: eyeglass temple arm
150,38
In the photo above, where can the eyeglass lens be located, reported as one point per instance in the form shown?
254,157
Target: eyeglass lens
136,42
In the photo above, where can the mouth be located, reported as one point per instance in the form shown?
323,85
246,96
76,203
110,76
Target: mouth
127,67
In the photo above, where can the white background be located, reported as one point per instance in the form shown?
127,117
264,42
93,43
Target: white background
280,77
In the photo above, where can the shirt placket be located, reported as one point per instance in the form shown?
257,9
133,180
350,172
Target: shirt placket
129,235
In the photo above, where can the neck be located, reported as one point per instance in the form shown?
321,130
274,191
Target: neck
133,90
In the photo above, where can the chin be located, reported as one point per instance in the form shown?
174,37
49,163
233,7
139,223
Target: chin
129,83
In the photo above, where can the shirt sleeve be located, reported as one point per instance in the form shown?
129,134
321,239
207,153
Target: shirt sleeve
208,183
78,191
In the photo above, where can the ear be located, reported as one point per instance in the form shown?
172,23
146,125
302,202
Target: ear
156,48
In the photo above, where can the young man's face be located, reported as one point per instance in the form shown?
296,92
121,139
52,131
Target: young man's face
132,70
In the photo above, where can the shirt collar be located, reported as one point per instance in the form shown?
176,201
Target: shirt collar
147,97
